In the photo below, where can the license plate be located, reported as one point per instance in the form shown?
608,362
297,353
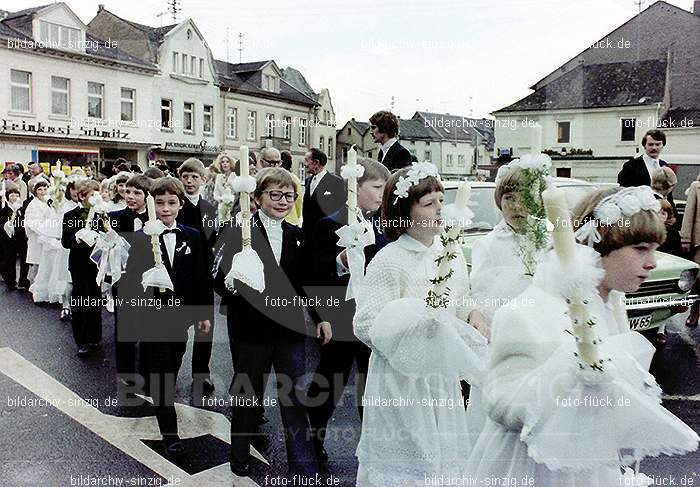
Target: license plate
640,322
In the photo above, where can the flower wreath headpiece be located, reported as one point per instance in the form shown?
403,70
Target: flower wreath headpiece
418,171
539,162
614,208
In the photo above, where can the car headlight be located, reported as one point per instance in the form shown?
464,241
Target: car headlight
687,279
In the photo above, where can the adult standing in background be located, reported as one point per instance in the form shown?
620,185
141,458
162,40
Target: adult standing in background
385,132
690,241
638,170
295,215
324,193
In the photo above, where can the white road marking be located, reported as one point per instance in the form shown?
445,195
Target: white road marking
680,397
127,433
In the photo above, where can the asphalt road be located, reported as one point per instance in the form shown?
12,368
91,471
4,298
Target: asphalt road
59,424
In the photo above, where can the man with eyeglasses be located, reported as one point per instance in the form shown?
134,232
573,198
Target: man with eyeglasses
269,157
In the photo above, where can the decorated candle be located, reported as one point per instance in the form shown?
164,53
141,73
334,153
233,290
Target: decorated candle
352,186
245,198
563,234
151,205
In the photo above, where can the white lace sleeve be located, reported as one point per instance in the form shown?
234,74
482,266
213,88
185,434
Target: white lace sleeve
480,278
383,283
461,296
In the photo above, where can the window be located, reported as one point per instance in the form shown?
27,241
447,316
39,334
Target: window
231,119
321,142
176,57
128,99
302,131
449,160
427,157
628,126
269,83
59,36
349,131
201,67
269,125
208,120
460,160
60,96
330,147
193,70
185,58
188,117
287,128
563,132
21,82
95,99
252,120
166,109
189,34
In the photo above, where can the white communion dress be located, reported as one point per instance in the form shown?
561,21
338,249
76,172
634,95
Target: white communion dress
414,425
552,423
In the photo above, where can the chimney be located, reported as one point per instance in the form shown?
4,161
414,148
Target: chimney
100,7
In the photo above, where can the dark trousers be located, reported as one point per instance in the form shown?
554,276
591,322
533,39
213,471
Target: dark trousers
86,318
201,352
252,363
23,266
330,379
9,252
124,347
162,363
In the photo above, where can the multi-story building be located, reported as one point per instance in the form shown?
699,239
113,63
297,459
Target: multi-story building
68,94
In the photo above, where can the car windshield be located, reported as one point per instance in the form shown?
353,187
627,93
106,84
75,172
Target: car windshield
487,214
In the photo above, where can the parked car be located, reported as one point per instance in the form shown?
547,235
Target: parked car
664,294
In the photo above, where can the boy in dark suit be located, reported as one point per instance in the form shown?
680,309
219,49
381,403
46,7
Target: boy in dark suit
268,328
86,297
199,214
126,222
324,193
329,281
11,235
163,316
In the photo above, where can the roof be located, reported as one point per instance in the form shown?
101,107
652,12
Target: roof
19,25
417,129
361,127
247,78
681,117
598,86
295,79
155,35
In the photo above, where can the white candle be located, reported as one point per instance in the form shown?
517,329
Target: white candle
352,187
536,139
245,198
4,196
58,165
462,199
151,205
563,234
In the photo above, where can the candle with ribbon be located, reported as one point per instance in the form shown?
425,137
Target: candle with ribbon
246,266
578,298
158,275
456,217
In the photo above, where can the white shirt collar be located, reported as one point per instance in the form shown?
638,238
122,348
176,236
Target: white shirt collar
194,199
387,145
320,175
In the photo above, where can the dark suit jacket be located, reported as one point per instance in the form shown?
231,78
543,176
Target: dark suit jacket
324,282
122,221
328,197
168,314
276,312
201,217
5,214
396,158
79,263
634,173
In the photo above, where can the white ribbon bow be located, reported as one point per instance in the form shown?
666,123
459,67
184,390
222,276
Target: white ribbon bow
247,268
354,238
110,254
588,233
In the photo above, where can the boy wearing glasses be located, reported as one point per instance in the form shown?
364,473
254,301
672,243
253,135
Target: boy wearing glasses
268,328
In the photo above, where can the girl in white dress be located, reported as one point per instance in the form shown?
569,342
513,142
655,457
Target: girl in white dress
117,191
414,426
223,184
504,260
34,221
541,431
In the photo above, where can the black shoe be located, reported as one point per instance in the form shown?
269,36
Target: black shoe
240,469
23,285
11,287
83,351
260,442
207,387
65,314
173,445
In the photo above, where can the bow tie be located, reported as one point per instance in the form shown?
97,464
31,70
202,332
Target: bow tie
171,230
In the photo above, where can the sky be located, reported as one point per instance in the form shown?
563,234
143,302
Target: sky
464,57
